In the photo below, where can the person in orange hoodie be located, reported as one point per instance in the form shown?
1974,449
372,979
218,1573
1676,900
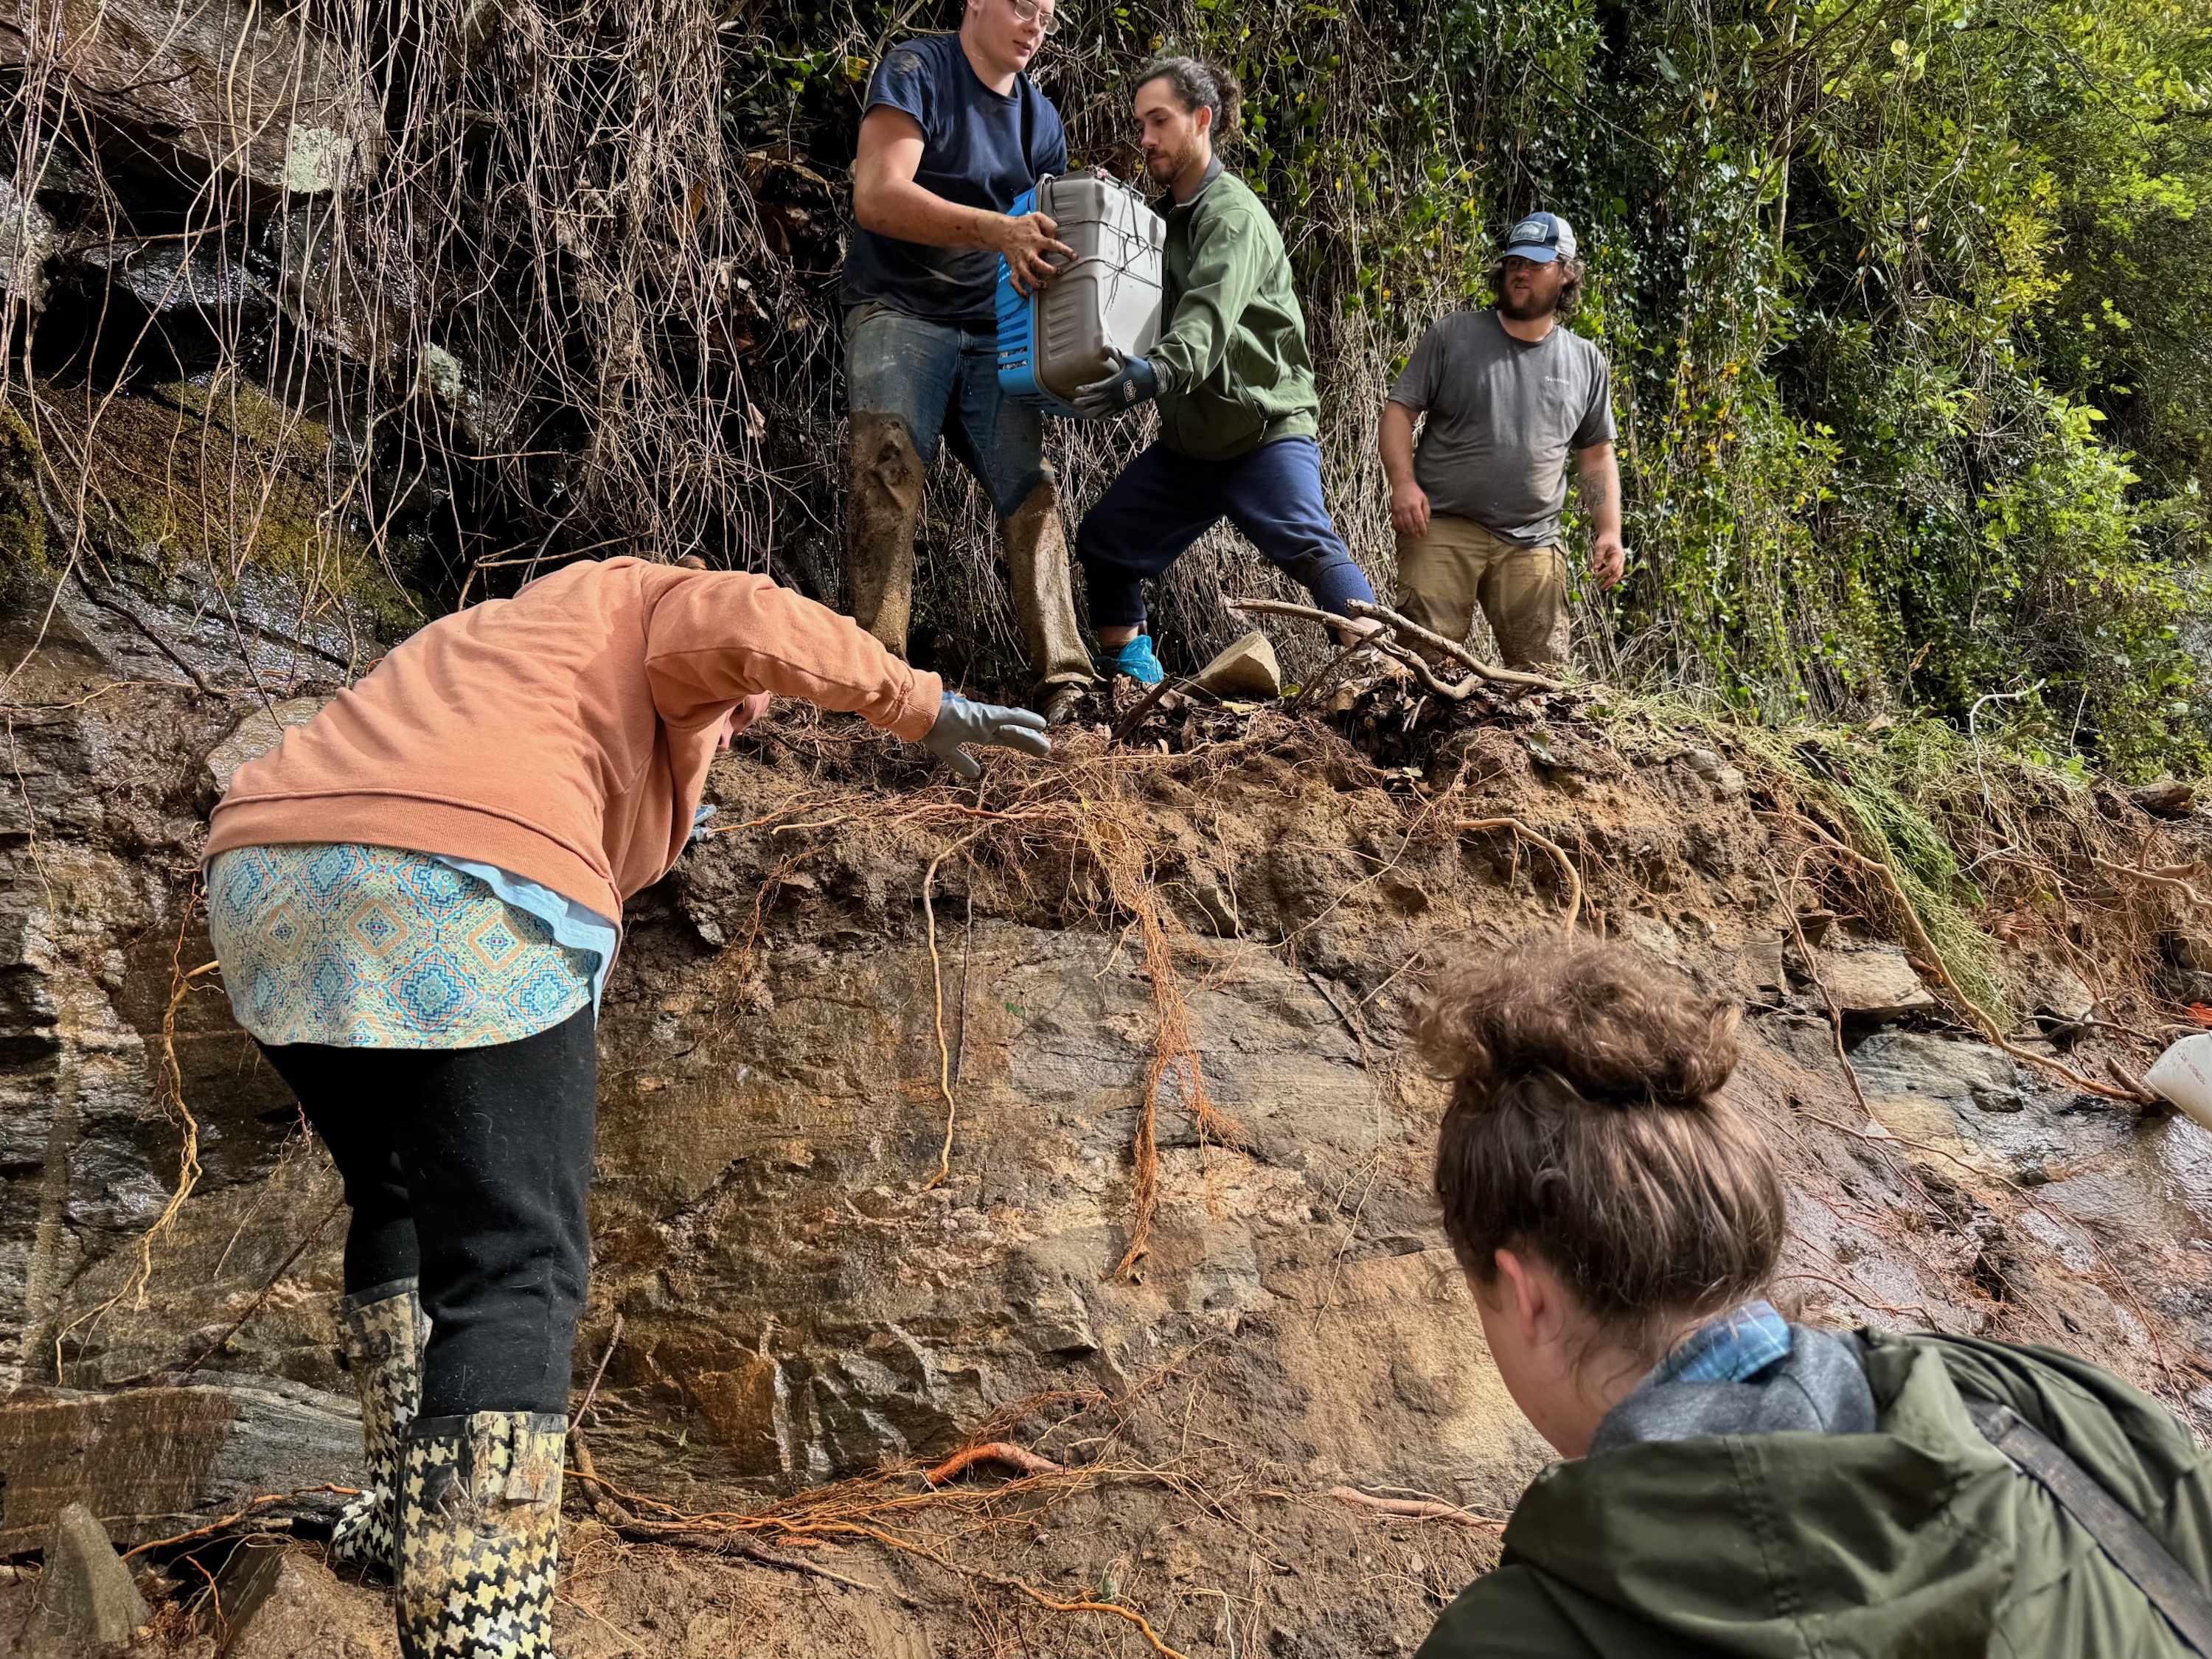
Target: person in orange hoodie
416,899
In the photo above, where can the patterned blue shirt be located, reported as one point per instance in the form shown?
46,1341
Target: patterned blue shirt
1733,1348
377,947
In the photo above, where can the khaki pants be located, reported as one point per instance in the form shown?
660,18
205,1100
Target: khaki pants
1522,591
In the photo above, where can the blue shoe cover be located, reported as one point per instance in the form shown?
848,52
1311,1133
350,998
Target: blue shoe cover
1137,661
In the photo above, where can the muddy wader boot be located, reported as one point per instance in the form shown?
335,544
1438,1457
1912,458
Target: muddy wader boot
1036,544
479,1535
883,507
384,1331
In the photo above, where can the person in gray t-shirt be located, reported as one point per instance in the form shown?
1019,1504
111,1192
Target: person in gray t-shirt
1507,393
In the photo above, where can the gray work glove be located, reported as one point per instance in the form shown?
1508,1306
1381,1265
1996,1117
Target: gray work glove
1130,382
959,722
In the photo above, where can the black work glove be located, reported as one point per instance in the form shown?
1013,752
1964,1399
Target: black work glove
959,722
1132,382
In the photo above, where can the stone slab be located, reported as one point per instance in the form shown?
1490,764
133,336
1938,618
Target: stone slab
149,1461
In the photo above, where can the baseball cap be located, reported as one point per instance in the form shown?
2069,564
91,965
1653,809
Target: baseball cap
1542,237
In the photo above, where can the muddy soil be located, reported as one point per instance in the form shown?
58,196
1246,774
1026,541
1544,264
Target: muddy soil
805,1294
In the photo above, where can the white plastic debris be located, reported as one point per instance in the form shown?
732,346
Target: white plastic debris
2184,1076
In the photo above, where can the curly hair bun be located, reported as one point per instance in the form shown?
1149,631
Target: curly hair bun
1586,1127
1595,1017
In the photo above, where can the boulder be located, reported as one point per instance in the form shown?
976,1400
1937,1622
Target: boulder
1874,985
278,1600
226,87
1247,669
157,1456
86,1597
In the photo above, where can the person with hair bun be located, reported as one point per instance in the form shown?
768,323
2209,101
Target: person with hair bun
1732,1483
1238,411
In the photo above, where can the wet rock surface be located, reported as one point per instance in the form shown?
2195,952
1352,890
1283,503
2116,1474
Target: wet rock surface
803,1299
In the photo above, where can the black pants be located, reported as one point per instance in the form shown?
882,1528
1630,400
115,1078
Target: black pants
469,1170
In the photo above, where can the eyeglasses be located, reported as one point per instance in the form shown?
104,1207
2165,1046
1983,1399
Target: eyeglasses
1033,11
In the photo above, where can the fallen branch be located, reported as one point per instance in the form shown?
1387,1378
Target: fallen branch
1381,639
1497,676
992,1451
1416,1508
1566,864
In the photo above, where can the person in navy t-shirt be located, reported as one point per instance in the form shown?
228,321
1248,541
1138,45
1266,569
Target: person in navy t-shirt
954,131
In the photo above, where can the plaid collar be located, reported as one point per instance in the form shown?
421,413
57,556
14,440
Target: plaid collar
1733,1348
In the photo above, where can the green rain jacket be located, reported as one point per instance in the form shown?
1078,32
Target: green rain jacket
1234,371
1919,1539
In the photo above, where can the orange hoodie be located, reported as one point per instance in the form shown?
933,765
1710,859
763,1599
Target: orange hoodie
563,734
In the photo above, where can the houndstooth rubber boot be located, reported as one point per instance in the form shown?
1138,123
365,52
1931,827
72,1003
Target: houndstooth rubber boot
386,1330
479,1535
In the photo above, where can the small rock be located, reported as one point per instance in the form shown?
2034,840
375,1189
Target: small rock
1874,986
1246,669
1727,781
1761,962
87,1594
2189,950
256,735
275,1600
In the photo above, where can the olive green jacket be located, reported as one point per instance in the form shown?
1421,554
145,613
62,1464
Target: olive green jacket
1918,1539
1234,372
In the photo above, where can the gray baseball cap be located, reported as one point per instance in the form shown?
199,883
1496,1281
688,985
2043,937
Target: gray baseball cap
1540,237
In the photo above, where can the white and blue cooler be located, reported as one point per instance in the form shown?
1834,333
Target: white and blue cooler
1105,303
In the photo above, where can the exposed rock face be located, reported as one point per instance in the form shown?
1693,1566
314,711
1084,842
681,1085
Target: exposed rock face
800,1301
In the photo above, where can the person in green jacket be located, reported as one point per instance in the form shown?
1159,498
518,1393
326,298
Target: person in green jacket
1239,412
1731,1483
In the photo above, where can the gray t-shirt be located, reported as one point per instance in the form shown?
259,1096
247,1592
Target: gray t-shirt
1503,414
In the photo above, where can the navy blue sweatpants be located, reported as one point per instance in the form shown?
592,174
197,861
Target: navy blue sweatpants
1164,501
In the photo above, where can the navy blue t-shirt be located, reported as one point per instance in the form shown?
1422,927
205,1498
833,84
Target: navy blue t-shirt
979,150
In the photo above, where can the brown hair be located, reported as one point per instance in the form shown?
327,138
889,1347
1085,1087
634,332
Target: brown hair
1571,292
1197,83
1584,1128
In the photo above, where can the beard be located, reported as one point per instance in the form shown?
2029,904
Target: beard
1530,309
1166,165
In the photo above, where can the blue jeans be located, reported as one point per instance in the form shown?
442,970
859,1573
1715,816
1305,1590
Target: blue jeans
1164,501
942,381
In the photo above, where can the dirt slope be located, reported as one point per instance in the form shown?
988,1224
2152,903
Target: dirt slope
1208,937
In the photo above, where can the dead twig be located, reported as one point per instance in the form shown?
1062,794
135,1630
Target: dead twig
1143,706
1496,675
1416,1508
254,1306
238,1514
592,1393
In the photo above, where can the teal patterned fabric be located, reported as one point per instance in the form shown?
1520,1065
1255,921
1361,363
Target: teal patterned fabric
375,947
